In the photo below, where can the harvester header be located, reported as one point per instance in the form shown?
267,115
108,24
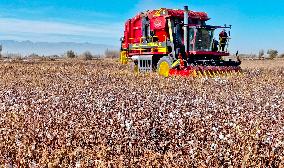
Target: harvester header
174,42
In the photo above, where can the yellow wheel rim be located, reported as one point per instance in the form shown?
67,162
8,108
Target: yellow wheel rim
164,69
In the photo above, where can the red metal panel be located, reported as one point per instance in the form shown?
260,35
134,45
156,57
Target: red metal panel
126,34
162,35
137,29
194,15
158,25
133,27
186,72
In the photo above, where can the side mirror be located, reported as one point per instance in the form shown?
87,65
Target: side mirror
122,39
237,53
229,33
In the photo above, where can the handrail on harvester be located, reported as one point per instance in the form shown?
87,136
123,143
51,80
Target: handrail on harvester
141,43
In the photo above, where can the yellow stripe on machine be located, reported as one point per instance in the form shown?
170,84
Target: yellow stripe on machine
164,49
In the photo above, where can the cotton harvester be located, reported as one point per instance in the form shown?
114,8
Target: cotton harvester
176,42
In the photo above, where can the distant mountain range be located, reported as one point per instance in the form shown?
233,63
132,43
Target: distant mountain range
47,48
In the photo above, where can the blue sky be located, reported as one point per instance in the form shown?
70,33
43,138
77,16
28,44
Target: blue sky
256,24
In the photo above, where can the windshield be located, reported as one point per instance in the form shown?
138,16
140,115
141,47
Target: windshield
204,38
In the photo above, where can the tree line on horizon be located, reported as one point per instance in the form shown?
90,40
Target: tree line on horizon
269,54
68,54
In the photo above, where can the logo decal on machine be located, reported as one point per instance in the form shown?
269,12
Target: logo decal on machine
158,23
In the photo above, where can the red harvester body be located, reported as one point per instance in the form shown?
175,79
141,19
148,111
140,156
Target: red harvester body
175,42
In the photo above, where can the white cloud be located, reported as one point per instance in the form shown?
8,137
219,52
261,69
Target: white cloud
15,28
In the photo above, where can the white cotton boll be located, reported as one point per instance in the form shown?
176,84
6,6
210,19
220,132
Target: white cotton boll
214,129
268,140
221,136
122,118
188,113
33,164
171,115
48,135
230,141
213,147
128,125
258,132
11,108
278,144
180,134
1,120
217,79
231,124
78,164
33,146
153,132
147,123
57,99
18,142
130,144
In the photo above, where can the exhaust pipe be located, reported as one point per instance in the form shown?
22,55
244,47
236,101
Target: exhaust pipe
186,28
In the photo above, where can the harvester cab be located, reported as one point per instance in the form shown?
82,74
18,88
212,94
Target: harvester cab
176,42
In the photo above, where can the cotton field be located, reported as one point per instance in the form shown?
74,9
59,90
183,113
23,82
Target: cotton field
100,114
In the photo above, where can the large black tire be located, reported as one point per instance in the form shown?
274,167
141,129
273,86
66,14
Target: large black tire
164,65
